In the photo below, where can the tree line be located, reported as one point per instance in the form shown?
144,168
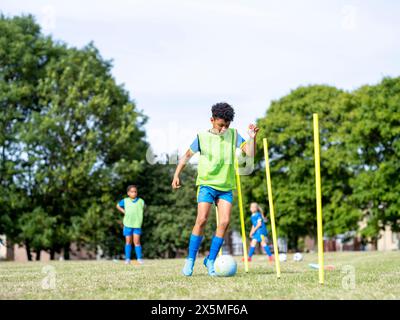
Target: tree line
72,139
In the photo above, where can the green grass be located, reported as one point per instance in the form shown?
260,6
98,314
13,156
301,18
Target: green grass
377,276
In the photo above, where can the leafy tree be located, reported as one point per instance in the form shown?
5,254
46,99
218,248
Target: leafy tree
288,125
37,229
23,54
374,142
72,139
81,137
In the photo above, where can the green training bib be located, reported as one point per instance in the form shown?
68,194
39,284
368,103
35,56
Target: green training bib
216,163
133,213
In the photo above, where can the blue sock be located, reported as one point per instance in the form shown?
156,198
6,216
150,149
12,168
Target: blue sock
194,245
251,251
266,248
138,250
216,245
128,250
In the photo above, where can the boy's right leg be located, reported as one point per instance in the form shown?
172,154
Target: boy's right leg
224,213
203,210
128,248
138,247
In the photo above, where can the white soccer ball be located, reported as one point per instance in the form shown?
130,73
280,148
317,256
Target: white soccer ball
297,257
282,257
225,266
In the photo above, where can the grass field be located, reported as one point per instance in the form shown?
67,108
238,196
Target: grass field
376,276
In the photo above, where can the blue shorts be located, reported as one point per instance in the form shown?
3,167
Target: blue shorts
211,195
130,231
258,236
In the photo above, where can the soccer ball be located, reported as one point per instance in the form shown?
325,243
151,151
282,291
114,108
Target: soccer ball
297,257
282,257
225,266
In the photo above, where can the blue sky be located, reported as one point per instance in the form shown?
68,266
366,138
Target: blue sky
178,58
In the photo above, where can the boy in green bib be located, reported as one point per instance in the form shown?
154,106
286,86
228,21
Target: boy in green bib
215,180
132,207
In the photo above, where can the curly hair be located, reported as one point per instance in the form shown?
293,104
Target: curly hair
223,110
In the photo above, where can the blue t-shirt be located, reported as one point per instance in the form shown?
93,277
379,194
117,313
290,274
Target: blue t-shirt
122,205
255,217
195,144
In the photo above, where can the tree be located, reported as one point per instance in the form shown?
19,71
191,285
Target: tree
23,54
80,138
374,142
288,125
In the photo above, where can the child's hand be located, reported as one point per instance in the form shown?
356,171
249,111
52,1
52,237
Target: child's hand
253,130
176,183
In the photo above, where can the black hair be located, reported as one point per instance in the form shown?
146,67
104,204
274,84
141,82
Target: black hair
223,110
130,187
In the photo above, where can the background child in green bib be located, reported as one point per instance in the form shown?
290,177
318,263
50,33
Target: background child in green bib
215,180
132,207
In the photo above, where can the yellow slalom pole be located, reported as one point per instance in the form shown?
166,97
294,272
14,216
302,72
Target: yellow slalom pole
271,209
319,201
244,241
216,215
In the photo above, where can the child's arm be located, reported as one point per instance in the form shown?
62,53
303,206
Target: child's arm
181,165
250,146
120,209
251,231
254,228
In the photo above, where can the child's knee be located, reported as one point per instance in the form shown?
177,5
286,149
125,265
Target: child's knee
224,224
201,222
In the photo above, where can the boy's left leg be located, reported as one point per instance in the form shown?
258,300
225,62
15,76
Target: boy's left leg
138,246
224,214
128,249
